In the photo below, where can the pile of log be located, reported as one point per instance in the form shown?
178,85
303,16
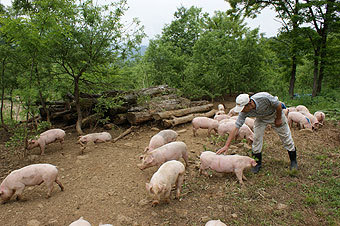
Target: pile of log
160,104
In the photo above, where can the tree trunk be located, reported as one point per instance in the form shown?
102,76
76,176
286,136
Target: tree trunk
181,112
316,71
3,96
292,77
188,118
76,98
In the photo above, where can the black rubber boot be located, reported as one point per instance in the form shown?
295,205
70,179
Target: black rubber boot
293,162
258,158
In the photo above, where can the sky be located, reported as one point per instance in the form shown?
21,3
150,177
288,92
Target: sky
154,14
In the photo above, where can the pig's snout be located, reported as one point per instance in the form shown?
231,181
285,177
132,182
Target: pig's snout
141,166
155,203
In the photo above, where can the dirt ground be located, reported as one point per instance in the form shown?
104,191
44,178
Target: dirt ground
105,185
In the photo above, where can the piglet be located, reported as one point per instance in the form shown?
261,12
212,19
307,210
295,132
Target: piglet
215,223
301,108
204,123
300,119
47,137
80,222
243,133
31,175
170,173
161,138
171,151
320,116
226,164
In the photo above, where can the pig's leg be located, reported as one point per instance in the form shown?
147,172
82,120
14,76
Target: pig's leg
18,191
61,143
179,183
194,131
60,185
185,157
49,185
239,175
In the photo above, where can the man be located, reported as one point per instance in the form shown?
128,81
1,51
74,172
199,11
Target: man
267,110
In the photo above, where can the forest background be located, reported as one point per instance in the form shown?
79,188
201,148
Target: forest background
53,49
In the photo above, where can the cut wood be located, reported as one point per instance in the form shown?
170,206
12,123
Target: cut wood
136,118
126,132
181,112
188,118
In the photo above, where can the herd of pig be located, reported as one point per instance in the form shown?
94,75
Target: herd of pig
163,151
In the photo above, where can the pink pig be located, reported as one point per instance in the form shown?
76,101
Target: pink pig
170,173
31,175
171,151
315,123
215,223
226,164
221,117
300,119
320,116
95,138
301,108
47,137
244,132
161,138
204,123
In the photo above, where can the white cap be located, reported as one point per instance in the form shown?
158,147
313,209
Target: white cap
241,101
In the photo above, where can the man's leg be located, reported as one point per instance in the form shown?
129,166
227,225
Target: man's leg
286,137
259,127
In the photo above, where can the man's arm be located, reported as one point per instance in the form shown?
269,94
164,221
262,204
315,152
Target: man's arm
278,119
231,137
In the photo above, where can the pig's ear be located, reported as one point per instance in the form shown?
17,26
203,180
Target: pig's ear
148,187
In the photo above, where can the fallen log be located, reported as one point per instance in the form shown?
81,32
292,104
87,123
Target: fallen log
126,132
188,118
181,112
136,118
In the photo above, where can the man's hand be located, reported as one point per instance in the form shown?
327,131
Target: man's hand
222,150
278,122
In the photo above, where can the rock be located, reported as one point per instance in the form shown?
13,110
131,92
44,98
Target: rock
205,219
234,215
33,222
281,206
182,131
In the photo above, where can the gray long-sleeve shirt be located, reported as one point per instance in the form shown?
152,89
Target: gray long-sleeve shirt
266,105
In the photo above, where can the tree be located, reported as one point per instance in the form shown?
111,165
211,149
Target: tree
88,37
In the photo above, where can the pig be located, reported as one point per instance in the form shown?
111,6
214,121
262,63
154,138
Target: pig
226,164
221,117
161,138
80,222
243,133
320,116
171,151
301,108
220,107
315,123
93,137
204,123
170,173
215,223
47,137
300,119
30,175
232,113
